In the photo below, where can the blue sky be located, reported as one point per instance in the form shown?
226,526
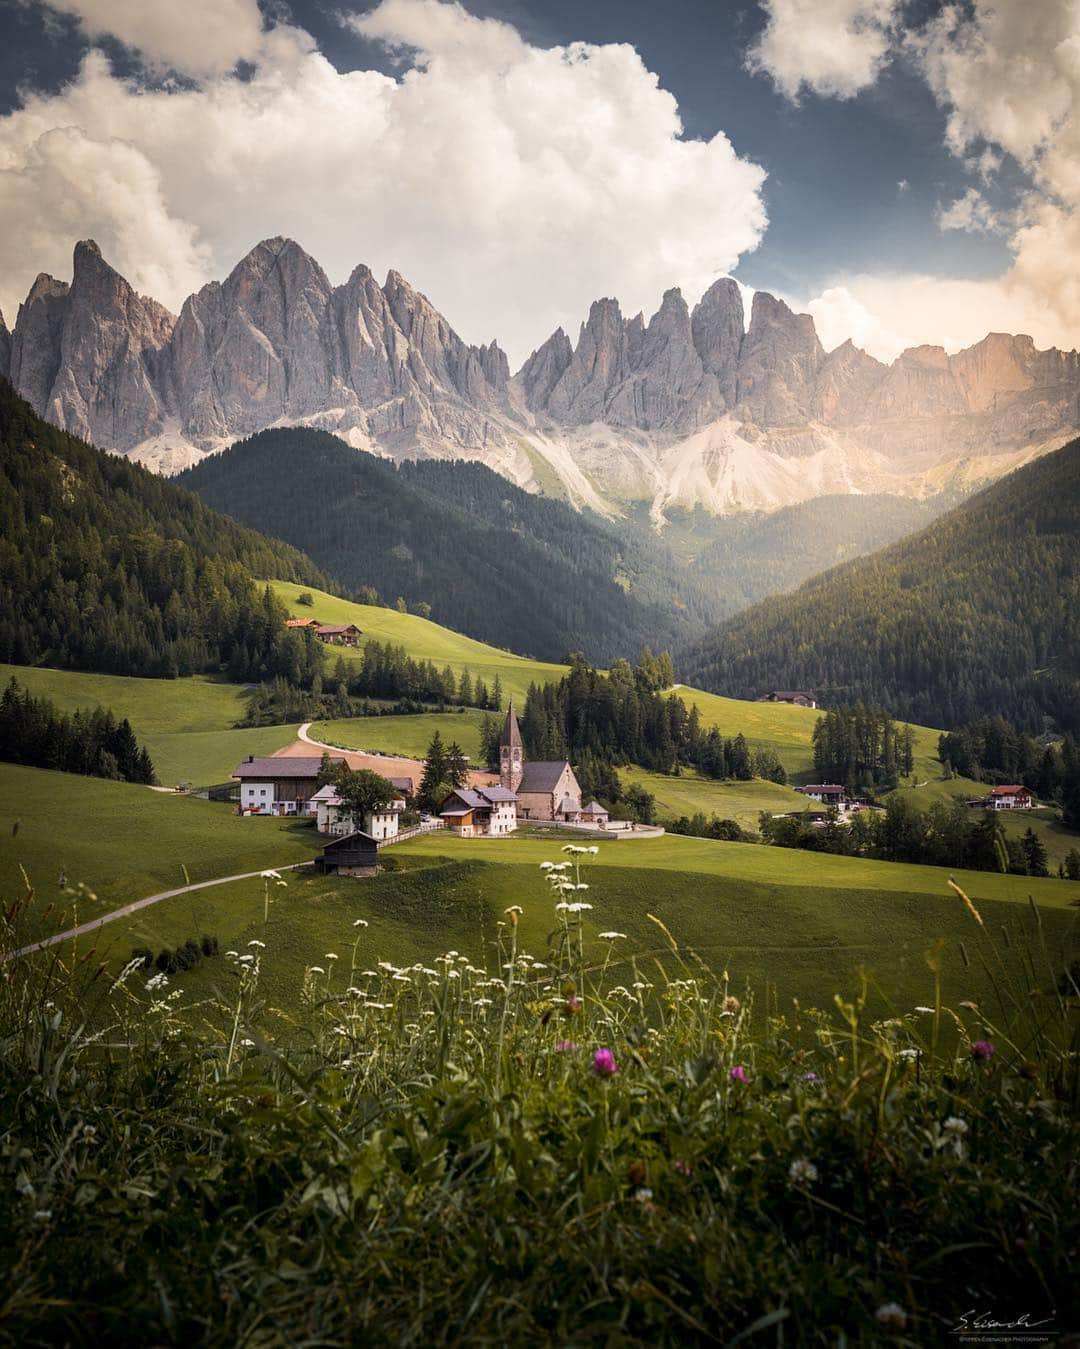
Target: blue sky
854,180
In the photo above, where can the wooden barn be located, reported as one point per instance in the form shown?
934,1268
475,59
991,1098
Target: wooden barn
354,855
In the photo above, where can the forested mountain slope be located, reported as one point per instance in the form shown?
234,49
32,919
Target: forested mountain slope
977,614
751,555
104,566
520,571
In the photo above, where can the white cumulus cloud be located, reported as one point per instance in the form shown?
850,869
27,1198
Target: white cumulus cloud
513,184
831,47
193,37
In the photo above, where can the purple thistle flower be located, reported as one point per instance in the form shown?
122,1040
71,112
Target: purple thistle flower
738,1073
982,1049
604,1064
809,1077
565,1046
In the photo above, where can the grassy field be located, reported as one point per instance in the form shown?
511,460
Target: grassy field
408,736
798,924
123,841
185,723
689,793
424,640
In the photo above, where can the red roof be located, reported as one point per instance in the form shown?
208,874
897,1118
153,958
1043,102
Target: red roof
1014,790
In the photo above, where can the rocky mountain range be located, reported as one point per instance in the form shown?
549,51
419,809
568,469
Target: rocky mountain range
690,408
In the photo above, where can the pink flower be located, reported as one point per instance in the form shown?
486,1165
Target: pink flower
565,1047
982,1049
738,1073
682,1166
604,1064
573,1003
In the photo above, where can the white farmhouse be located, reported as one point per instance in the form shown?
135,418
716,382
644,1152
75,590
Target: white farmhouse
332,816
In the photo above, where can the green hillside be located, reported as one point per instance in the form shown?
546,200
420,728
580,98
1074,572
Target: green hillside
422,639
184,723
122,842
977,615
492,560
800,924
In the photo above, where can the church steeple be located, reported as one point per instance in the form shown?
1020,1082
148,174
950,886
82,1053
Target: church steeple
511,753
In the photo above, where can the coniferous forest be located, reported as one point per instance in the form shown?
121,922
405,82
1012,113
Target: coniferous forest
104,566
978,614
90,741
521,571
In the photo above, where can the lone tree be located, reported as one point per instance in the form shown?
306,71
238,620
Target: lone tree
363,793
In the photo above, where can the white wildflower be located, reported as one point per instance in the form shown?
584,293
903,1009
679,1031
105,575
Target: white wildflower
316,969
578,907
907,1053
271,875
255,942
612,936
330,955
43,1215
926,1011
360,922
955,1126
802,1172
891,1314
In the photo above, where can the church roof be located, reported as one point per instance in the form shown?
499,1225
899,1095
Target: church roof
511,732
541,776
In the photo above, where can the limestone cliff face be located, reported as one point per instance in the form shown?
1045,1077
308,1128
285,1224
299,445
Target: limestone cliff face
5,348
274,342
684,409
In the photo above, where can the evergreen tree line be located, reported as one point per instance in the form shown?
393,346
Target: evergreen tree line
862,749
104,566
992,750
977,615
388,671
624,717
89,741
946,835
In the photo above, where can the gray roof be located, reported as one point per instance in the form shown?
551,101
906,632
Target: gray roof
497,793
593,808
541,775
282,766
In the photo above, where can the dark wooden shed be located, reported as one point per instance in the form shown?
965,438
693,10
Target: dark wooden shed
354,855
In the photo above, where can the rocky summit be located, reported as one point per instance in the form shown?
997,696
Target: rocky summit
691,407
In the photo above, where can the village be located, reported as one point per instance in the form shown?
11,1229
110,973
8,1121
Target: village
537,792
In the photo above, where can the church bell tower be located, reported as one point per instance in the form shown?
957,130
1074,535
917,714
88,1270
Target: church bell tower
510,753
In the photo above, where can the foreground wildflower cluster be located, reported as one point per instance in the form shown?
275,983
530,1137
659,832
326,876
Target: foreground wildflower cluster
599,1142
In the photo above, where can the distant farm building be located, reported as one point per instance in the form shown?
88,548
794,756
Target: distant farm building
301,622
1013,797
828,793
338,634
796,697
279,785
481,811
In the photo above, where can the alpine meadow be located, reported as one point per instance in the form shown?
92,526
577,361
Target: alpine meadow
539,674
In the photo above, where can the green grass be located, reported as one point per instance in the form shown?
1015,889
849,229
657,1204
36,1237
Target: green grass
407,736
789,731
689,793
423,640
123,841
803,923
184,723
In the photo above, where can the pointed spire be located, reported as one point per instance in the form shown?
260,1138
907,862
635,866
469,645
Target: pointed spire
511,732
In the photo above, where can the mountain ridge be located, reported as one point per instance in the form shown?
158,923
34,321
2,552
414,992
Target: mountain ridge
683,409
976,615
